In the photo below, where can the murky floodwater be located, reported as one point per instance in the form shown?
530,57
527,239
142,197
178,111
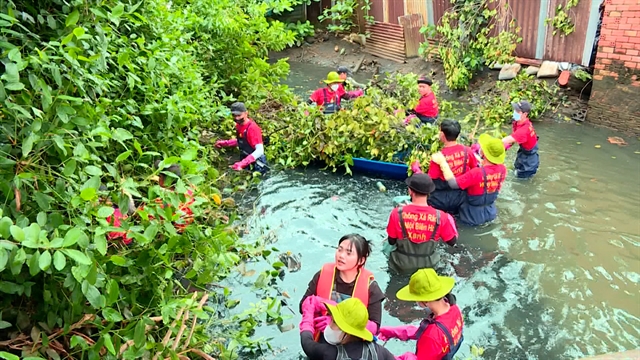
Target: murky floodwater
556,276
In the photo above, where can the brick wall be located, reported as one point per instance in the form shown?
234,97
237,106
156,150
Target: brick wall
615,96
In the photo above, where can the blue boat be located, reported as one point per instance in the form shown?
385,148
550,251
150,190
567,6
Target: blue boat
384,169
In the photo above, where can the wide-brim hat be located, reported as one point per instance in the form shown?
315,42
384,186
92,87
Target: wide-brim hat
332,78
420,183
426,285
351,316
492,148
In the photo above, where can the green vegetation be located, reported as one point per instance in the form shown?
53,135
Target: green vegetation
466,39
562,21
92,95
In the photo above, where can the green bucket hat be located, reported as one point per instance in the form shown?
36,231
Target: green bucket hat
332,78
351,316
492,148
426,285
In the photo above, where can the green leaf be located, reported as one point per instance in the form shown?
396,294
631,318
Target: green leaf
74,236
93,170
11,73
5,227
43,200
118,260
34,269
4,325
78,32
7,356
27,145
123,156
78,256
109,344
138,336
67,39
111,315
57,139
44,261
59,261
42,218
105,211
113,291
4,259
17,233
93,295
100,242
88,194
70,168
72,19
121,135
17,86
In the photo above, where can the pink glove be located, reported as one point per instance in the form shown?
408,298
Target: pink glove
407,120
506,147
475,148
321,322
402,333
355,93
244,163
407,356
372,327
307,314
306,113
226,143
415,167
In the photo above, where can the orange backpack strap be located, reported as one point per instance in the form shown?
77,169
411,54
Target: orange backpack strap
361,288
324,287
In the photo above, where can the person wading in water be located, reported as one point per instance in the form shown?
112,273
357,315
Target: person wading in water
347,278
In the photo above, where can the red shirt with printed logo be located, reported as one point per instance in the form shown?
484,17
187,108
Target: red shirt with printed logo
525,134
420,222
473,180
428,105
318,96
455,159
433,344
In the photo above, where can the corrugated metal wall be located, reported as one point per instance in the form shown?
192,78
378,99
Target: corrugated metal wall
538,41
568,48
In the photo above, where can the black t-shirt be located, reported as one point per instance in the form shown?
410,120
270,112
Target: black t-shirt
344,291
323,351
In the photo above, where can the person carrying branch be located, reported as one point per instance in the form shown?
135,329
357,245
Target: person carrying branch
329,98
482,184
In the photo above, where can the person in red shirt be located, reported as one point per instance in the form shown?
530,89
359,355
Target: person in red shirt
460,159
169,183
439,336
482,184
116,219
345,75
527,159
427,108
248,140
415,229
329,98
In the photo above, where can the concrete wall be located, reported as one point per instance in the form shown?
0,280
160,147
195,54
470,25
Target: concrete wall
615,96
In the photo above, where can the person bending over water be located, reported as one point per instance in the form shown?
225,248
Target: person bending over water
346,337
347,278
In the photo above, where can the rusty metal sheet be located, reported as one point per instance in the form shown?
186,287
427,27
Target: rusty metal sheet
395,9
568,48
439,8
411,24
527,16
377,10
386,41
417,7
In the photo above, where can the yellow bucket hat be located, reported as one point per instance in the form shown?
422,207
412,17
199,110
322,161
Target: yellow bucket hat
426,285
492,148
332,78
351,316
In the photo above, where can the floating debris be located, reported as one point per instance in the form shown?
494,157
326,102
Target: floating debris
291,261
617,141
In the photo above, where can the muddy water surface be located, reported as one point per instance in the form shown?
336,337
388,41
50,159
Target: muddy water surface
556,276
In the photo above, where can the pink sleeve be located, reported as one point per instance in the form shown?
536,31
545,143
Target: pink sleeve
448,229
393,227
